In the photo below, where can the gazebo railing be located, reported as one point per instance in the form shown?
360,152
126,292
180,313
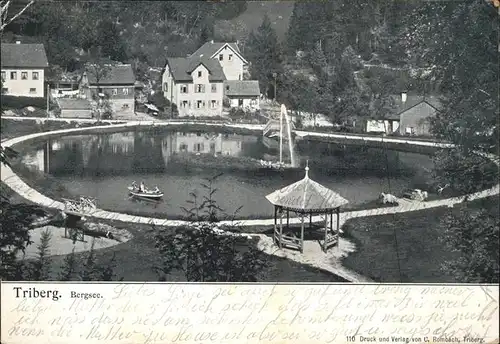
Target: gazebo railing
330,240
287,240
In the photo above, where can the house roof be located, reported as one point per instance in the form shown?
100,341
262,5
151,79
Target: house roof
411,101
211,48
241,88
23,55
414,100
73,104
181,68
306,195
121,74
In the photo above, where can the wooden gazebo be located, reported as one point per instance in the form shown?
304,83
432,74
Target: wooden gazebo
306,198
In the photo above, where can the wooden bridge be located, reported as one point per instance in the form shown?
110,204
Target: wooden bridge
272,128
81,207
75,210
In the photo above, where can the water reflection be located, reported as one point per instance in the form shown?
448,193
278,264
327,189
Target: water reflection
123,153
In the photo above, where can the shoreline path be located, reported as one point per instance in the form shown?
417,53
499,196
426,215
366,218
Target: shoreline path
313,255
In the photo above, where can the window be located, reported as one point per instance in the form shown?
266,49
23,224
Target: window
230,58
183,147
13,75
184,89
221,57
184,104
3,76
227,87
200,88
5,90
125,91
32,90
165,87
125,107
200,74
115,91
213,104
34,75
214,88
24,75
198,147
199,104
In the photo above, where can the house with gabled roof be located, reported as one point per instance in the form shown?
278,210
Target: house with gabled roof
234,65
243,94
198,83
195,85
23,69
409,115
414,118
117,82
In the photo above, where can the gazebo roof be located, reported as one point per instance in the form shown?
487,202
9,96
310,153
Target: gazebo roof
306,195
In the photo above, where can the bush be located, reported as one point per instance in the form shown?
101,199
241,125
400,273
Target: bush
167,109
240,115
12,102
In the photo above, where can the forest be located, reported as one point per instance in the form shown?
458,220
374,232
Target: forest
330,40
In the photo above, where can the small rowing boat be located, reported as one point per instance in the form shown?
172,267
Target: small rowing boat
149,194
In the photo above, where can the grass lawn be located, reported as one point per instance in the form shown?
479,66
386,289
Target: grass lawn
420,251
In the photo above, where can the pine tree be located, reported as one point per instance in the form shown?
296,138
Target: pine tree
264,54
318,62
89,271
68,269
41,267
107,271
201,252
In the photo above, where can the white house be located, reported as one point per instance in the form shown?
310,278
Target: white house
197,84
233,64
23,69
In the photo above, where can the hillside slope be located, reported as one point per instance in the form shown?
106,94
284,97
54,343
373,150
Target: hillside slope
279,13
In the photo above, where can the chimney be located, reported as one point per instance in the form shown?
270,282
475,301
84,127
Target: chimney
403,97
18,42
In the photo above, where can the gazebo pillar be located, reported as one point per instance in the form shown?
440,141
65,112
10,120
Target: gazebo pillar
276,238
326,233
338,227
302,233
281,227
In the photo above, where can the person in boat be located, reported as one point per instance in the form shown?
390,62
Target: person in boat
156,190
142,188
135,186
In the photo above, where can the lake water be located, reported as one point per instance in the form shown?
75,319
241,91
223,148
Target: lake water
102,166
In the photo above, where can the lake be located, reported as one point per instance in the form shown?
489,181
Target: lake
103,165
